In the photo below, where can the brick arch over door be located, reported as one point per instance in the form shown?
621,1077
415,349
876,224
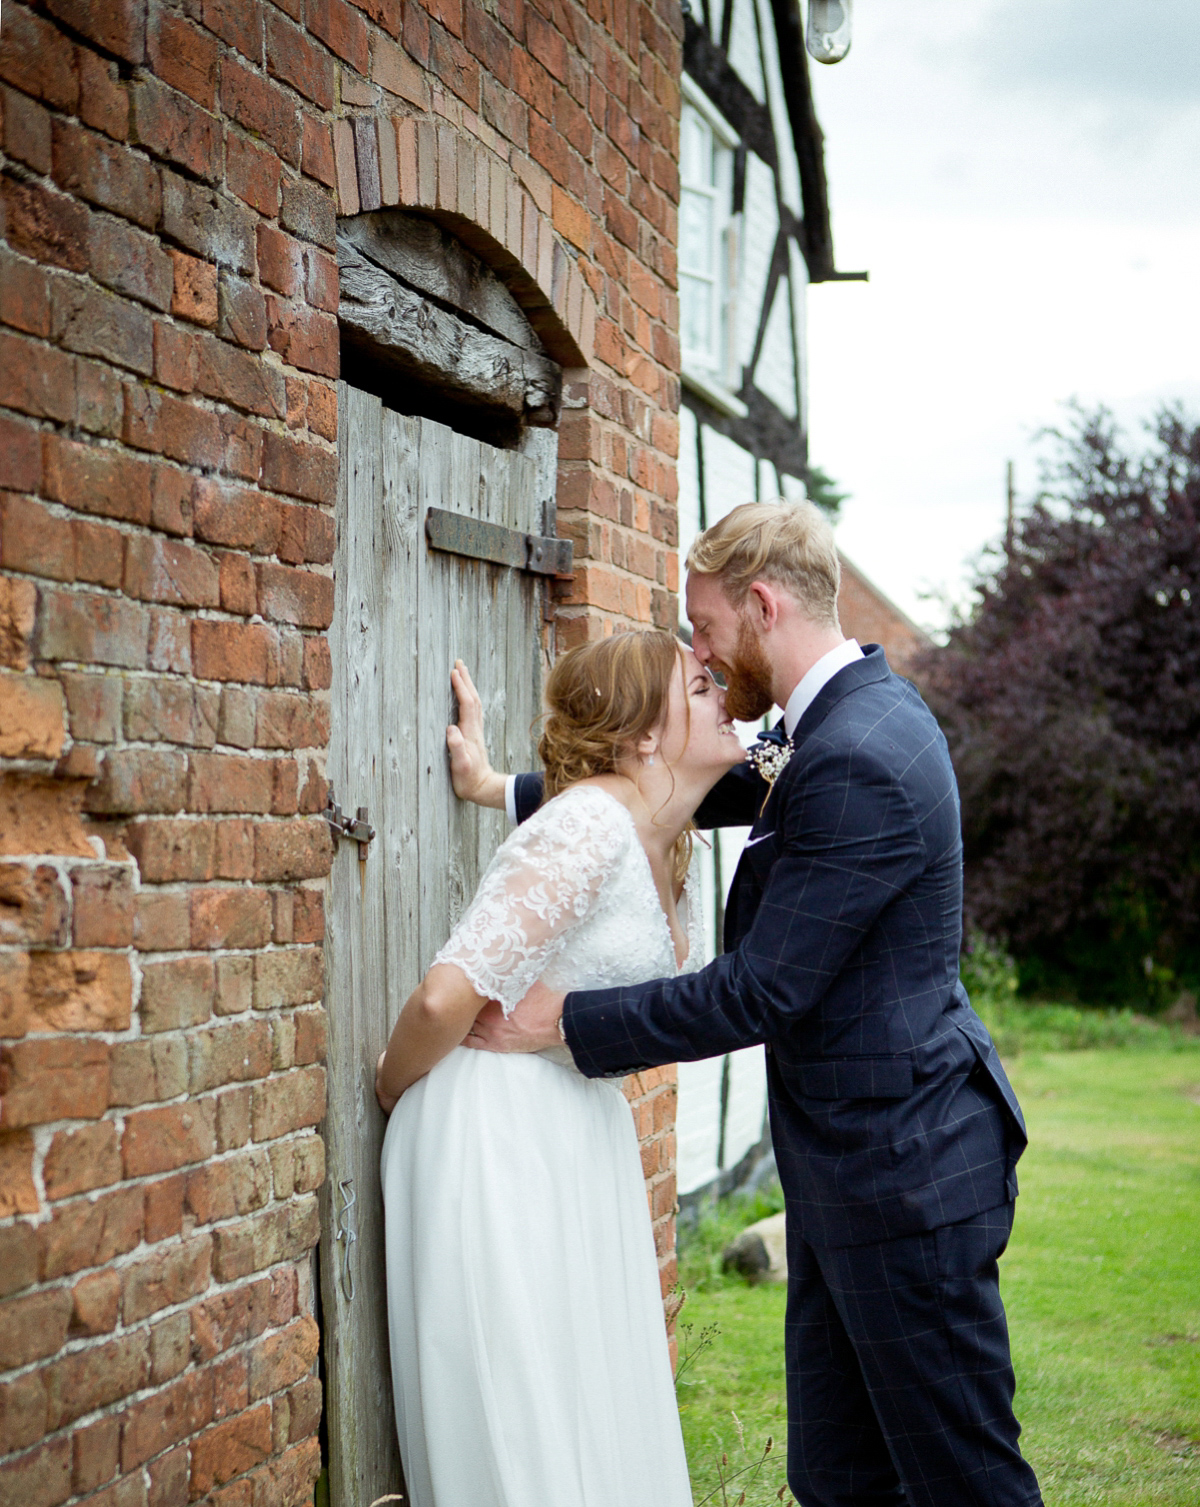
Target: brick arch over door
386,162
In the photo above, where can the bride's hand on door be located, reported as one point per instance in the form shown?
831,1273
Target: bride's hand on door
471,771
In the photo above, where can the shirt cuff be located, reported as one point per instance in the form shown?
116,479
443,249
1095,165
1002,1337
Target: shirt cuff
510,798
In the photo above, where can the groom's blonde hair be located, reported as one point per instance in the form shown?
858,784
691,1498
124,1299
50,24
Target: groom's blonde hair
789,544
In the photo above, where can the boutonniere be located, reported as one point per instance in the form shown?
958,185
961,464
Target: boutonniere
769,757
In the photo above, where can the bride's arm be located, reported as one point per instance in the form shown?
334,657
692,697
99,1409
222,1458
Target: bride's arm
435,1019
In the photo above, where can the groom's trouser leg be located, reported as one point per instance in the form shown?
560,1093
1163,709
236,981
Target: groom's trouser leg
924,1318
837,1455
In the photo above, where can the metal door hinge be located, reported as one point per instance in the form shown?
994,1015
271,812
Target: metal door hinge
459,535
358,830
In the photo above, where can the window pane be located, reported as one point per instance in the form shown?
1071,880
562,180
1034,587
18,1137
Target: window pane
695,148
696,318
696,232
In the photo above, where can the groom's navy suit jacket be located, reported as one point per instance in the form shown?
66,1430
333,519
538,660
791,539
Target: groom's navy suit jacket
890,1110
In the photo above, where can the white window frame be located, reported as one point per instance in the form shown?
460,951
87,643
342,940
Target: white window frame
715,383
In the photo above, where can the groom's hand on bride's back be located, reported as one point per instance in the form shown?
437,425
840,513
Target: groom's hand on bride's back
532,1027
471,771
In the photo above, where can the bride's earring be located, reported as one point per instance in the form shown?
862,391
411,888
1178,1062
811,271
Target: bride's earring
650,760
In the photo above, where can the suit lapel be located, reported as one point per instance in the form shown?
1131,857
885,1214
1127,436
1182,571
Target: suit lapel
872,667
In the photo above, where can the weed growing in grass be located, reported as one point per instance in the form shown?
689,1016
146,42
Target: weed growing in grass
745,1478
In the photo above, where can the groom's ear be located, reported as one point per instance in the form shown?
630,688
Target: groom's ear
762,605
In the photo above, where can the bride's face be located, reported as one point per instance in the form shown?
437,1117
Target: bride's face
698,734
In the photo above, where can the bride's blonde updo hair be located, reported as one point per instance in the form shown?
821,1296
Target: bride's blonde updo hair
601,699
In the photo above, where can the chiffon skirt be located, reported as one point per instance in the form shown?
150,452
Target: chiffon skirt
529,1354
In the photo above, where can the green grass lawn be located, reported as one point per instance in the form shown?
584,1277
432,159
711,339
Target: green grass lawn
1102,1284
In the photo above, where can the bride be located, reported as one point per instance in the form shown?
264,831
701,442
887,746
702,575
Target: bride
529,1353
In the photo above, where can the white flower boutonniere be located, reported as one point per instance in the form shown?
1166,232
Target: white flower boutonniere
770,759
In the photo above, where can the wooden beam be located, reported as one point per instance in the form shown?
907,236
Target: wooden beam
425,257
423,341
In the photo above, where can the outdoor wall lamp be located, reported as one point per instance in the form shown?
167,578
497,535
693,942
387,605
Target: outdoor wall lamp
828,37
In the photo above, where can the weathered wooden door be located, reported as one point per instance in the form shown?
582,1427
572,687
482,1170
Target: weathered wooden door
403,613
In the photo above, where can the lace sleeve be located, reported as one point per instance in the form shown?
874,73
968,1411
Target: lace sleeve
543,881
697,928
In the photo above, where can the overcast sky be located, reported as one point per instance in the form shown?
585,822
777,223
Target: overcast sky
1022,181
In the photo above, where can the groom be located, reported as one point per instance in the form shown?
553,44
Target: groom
895,1129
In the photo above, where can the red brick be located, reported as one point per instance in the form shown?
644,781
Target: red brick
24,295
41,1478
311,1036
235,651
169,647
230,1448
283,1358
129,262
33,1327
103,906
243,447
304,337
292,850
80,1160
95,1308
133,780
341,29
170,1346
289,721
170,126
318,668
239,377
170,711
36,379
230,1317
168,570
299,470
239,918
194,294
31,717
18,1194
90,1232
98,480
79,991
252,174
39,60
289,1102
239,589
295,596
44,225
156,421
229,782
184,57
20,456
164,1209
53,1079
26,131
176,993
103,98
309,916
169,1478
229,1053
96,323
119,26
263,108
106,173
159,1140
230,1186
242,314
280,260
214,226
166,1417
162,923
293,58
169,1275
237,517
96,1376
308,212
22,1413
281,1233
18,1259
317,155
33,906
238,22
96,1453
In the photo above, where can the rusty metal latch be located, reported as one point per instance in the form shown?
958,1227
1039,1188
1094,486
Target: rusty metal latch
358,830
459,535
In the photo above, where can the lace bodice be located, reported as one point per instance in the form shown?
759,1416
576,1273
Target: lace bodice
569,898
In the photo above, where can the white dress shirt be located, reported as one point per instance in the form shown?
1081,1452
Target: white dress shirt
821,674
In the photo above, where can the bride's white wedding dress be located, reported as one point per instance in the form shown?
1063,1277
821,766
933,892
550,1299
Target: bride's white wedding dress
529,1353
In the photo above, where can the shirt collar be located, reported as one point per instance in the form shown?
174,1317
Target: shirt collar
819,675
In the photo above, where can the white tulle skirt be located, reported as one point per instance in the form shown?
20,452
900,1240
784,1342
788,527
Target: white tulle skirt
529,1355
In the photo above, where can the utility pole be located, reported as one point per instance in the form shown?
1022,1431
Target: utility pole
1010,513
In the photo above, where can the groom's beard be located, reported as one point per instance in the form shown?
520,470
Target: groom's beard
748,694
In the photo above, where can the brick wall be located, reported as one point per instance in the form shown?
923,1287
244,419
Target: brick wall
169,185
867,615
